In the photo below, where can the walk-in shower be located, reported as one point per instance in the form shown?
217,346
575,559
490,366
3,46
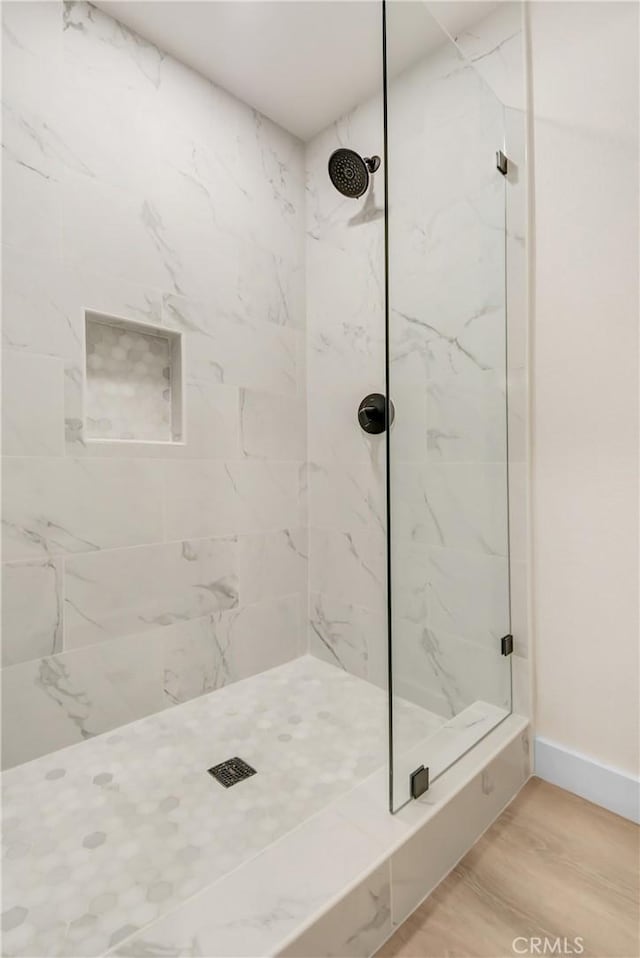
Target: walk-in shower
256,511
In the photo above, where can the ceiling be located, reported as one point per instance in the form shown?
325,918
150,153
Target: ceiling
302,63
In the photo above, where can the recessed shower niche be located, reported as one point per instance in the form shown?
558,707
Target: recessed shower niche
133,381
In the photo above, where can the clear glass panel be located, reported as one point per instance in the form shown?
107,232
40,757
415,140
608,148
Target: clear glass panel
448,547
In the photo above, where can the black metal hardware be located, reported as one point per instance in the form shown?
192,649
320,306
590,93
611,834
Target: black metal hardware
419,782
372,413
506,644
502,163
231,772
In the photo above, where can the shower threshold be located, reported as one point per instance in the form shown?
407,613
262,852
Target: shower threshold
126,845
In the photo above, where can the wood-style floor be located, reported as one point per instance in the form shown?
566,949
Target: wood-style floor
551,867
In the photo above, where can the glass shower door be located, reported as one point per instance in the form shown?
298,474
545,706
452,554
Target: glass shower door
447,447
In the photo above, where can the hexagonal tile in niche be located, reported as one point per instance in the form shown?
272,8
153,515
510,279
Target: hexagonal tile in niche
133,381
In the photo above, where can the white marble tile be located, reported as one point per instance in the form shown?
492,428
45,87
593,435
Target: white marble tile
349,566
31,34
147,258
272,427
35,304
272,564
227,348
200,499
464,593
454,505
236,917
444,746
466,421
212,422
211,427
132,842
270,286
108,143
494,45
58,506
410,429
197,657
53,702
367,805
265,634
130,850
355,927
31,610
420,864
126,591
31,209
434,666
334,434
347,496
348,636
32,405
268,495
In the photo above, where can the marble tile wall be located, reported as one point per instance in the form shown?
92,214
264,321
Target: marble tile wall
345,362
277,284
447,117
496,47
447,352
139,575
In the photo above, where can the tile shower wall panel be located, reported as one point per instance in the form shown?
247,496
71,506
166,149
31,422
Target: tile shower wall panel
447,350
134,188
345,362
449,390
495,47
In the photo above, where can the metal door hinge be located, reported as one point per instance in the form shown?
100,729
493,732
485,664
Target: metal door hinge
502,163
506,644
419,782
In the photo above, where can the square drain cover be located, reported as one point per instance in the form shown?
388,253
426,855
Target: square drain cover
231,772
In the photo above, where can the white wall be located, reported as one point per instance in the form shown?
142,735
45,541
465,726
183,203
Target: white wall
585,374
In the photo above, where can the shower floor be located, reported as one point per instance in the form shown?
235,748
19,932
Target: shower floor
104,837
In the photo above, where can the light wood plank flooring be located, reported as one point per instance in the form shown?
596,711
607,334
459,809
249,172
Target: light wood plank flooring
554,866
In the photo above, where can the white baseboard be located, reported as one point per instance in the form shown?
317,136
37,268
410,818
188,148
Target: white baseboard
605,786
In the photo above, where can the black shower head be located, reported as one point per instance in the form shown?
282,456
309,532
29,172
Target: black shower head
349,172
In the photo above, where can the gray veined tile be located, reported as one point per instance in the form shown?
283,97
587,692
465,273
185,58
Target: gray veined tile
32,612
57,701
200,499
272,564
349,566
348,636
127,591
347,496
355,927
443,672
61,506
267,495
231,349
37,315
32,405
272,427
197,657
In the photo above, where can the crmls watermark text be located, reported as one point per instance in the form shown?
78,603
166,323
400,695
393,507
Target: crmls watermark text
548,946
